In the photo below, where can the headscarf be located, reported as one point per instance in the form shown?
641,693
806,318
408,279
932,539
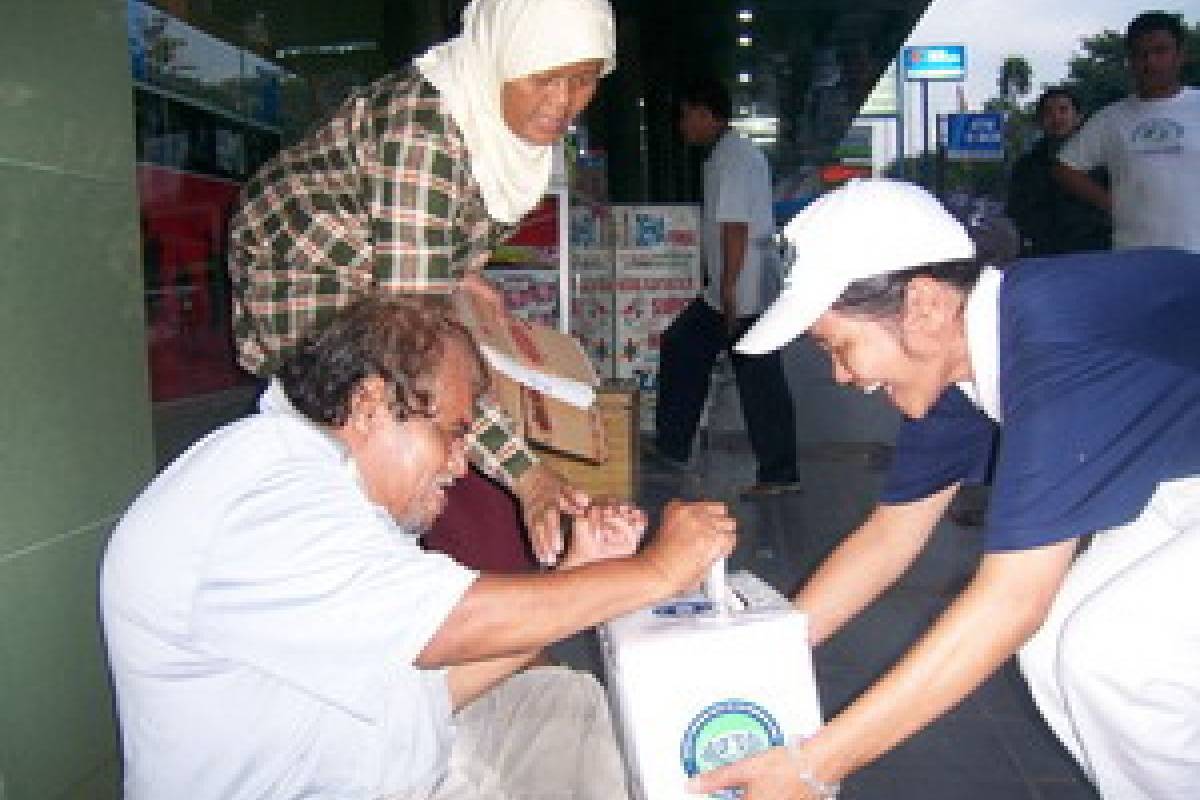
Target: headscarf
502,40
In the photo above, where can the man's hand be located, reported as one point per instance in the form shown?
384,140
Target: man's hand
770,775
735,239
502,615
608,530
691,537
1083,186
545,497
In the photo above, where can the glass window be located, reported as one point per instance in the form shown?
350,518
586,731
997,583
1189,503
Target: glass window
205,114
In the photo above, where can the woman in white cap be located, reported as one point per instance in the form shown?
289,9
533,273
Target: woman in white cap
408,189
1088,368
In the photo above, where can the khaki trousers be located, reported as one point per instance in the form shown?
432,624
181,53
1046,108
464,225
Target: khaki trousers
543,734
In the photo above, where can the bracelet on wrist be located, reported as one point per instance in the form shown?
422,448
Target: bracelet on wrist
824,790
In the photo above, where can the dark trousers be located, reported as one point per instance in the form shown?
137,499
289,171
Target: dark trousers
690,346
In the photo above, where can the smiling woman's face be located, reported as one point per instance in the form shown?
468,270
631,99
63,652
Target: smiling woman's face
873,354
539,107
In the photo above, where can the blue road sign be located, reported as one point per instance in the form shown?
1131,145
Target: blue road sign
943,62
975,136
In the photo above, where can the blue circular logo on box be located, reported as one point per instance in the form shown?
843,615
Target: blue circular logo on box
724,732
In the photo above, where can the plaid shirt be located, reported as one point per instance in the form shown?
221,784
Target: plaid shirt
378,198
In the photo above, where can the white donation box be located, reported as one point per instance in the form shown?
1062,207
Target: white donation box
697,683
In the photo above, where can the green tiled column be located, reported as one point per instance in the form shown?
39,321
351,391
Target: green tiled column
75,441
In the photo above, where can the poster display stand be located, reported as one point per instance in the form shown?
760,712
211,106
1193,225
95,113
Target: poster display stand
612,275
634,268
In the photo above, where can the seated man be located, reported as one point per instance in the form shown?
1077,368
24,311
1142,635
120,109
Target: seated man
275,631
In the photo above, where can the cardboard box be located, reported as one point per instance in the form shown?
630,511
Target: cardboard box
693,689
544,352
617,477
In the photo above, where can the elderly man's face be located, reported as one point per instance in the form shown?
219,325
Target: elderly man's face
407,465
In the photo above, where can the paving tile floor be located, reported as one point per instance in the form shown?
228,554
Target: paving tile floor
993,746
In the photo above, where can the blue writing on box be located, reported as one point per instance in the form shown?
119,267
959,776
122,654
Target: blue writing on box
683,608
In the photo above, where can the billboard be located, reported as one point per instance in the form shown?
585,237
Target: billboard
942,62
975,136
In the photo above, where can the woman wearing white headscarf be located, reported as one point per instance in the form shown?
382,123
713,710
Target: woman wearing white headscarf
513,81
408,189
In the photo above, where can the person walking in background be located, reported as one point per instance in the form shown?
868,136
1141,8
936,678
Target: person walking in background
1050,219
1149,142
407,189
738,247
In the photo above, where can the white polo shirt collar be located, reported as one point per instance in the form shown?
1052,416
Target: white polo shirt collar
275,401
983,343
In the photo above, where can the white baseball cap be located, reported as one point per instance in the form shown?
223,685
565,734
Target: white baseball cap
860,229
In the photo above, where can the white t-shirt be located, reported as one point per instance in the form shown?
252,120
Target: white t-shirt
1152,151
262,619
737,188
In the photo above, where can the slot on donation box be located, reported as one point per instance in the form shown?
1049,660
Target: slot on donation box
699,682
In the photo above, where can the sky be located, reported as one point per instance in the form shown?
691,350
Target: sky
1045,32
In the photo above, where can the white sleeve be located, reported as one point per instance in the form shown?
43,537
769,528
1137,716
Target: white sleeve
311,584
735,191
1088,148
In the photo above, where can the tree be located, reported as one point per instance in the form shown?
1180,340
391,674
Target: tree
1015,78
1098,75
1014,81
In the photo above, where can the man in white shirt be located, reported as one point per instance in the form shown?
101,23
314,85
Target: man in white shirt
1149,142
738,230
275,631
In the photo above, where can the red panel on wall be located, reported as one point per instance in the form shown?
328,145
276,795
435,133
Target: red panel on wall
538,228
185,223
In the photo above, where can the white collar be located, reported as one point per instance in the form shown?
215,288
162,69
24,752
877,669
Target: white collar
274,400
983,343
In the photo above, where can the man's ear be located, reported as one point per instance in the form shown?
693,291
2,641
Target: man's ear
367,400
931,309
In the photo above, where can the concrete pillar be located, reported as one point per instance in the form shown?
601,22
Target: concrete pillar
75,441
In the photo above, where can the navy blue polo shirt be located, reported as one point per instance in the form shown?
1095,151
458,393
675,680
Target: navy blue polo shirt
1099,373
